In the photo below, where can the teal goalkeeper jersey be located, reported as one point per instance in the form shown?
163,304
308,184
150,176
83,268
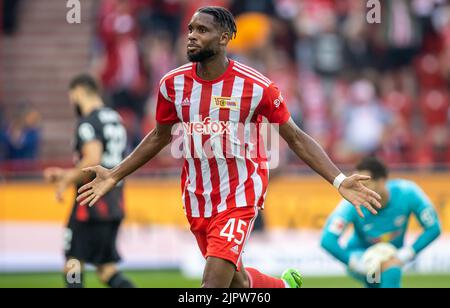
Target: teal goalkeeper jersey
389,226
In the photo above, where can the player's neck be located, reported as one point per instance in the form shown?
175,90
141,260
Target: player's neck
385,197
92,105
212,68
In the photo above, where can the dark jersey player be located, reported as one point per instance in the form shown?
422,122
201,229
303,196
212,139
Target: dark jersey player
91,233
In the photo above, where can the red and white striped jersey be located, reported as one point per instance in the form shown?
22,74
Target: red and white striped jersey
224,166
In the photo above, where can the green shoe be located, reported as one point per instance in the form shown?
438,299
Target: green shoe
293,278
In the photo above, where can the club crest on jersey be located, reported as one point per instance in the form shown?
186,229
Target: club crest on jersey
224,102
278,101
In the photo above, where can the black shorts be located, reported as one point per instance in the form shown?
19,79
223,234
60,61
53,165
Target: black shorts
92,242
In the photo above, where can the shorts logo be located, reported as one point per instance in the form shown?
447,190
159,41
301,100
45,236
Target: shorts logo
224,102
235,249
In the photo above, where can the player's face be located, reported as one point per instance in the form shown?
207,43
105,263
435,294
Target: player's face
204,38
377,186
75,98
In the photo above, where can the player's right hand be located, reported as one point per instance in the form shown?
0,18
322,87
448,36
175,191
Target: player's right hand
353,190
91,192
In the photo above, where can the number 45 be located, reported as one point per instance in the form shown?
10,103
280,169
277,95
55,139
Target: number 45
229,230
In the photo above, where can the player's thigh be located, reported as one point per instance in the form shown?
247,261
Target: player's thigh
199,228
240,279
218,273
106,271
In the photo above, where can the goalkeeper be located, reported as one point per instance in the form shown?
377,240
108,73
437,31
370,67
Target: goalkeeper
375,252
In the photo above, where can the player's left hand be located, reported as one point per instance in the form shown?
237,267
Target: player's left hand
61,187
57,176
357,194
53,174
91,192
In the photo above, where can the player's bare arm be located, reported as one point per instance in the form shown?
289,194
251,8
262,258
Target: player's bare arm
308,150
63,178
106,179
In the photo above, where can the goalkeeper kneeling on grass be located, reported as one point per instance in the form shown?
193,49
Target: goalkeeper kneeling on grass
375,253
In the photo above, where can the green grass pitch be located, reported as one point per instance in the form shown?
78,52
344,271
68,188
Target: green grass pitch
173,279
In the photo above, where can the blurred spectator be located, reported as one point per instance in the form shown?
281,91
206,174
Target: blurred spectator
254,31
156,16
365,122
434,105
311,49
22,138
120,65
9,15
429,72
2,117
266,7
2,134
315,110
358,44
328,47
402,33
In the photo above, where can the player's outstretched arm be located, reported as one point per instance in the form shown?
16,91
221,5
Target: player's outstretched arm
63,178
105,179
426,215
351,188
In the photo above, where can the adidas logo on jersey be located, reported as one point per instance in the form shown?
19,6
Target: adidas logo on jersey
186,102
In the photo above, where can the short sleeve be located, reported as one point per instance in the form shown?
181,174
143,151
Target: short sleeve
422,207
165,108
86,132
273,106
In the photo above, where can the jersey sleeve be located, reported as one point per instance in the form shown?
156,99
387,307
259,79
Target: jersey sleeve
425,213
335,226
273,106
88,131
165,107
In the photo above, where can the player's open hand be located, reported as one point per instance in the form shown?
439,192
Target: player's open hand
97,188
353,190
56,176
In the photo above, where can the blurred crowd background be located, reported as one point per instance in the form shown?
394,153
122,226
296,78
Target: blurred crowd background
357,88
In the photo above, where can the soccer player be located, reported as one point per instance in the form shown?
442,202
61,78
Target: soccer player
91,232
218,100
400,200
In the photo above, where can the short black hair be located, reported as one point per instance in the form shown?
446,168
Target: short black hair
222,16
376,167
86,81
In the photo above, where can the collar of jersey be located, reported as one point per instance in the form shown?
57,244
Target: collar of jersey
221,77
